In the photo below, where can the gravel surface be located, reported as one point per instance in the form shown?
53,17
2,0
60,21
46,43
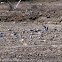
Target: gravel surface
31,33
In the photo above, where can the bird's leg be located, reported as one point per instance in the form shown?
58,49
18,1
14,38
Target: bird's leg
17,4
11,5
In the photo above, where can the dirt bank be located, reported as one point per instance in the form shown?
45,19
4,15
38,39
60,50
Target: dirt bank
31,33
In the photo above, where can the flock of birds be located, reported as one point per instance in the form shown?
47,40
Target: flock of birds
4,35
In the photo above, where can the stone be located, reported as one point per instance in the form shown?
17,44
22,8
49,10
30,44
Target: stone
16,37
31,30
31,37
8,38
21,36
14,33
56,36
1,32
1,35
21,40
35,30
23,31
25,44
35,43
55,29
38,30
61,35
40,34
9,30
59,30
32,33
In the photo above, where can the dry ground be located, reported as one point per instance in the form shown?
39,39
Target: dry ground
32,42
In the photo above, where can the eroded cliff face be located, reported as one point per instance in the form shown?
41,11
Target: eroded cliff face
31,11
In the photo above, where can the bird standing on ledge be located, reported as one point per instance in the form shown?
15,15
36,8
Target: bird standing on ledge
11,5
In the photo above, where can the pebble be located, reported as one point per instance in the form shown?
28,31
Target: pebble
55,29
59,30
61,35
35,31
25,44
9,30
3,38
14,33
26,10
21,40
43,40
11,34
1,32
23,31
31,12
21,36
31,30
56,36
38,30
8,37
52,36
4,35
1,35
54,46
32,37
32,33
16,37
40,34
35,43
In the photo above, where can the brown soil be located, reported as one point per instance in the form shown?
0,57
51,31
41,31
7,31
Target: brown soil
33,16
